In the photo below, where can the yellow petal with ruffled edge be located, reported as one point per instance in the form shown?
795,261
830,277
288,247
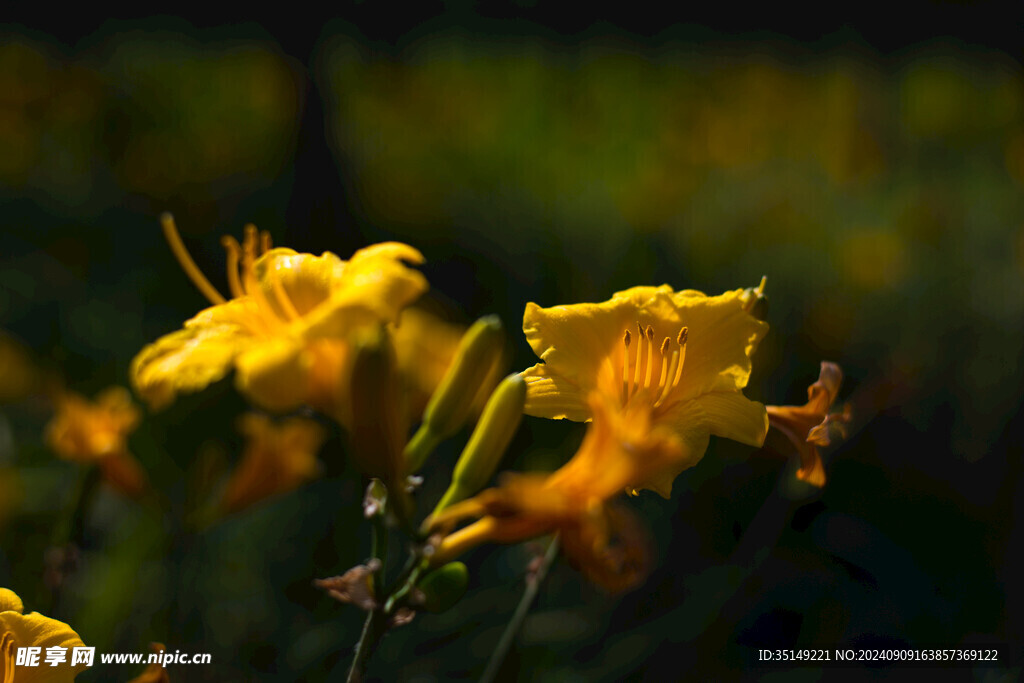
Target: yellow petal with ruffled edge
10,602
722,338
729,415
186,361
374,286
33,630
553,396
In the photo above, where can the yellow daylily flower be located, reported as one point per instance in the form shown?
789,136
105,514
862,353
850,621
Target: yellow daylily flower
279,457
675,361
34,630
286,329
811,425
605,542
96,433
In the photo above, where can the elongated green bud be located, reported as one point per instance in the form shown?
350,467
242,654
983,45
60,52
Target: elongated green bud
444,587
494,431
451,403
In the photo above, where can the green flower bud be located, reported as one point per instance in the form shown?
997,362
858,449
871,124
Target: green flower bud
494,431
444,587
451,403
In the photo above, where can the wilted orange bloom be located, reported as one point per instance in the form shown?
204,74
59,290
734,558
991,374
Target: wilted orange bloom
676,361
810,425
96,433
286,331
34,630
603,541
279,457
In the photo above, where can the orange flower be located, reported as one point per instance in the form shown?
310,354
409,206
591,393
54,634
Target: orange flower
810,425
97,432
603,541
279,457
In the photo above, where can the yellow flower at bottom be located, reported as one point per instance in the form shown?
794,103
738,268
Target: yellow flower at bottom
96,433
674,361
34,630
604,541
286,330
279,457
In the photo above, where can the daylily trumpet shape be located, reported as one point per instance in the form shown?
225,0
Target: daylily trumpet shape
603,541
34,630
810,425
286,330
676,361
96,433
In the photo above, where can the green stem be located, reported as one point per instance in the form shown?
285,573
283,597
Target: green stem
512,629
420,446
379,550
373,629
70,531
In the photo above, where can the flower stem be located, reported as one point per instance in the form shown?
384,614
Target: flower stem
512,629
373,629
420,446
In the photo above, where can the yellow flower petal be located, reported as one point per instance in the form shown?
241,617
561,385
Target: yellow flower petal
188,360
574,341
34,630
10,602
306,280
552,396
722,337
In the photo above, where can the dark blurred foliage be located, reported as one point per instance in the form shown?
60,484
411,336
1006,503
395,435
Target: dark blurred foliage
872,169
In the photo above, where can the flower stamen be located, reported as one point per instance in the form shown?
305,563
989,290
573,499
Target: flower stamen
625,367
650,361
638,369
684,334
234,255
186,262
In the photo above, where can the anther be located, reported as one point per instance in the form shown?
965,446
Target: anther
664,362
684,334
265,242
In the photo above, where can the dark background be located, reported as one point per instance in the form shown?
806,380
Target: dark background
869,162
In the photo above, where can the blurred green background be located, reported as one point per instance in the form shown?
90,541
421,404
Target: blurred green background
875,178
